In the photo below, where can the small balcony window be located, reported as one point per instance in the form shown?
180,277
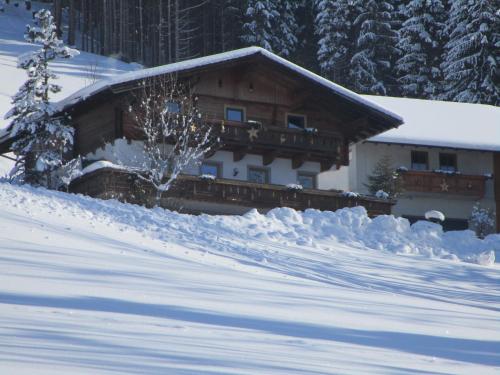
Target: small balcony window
211,168
448,162
235,114
419,160
258,175
173,107
296,121
307,180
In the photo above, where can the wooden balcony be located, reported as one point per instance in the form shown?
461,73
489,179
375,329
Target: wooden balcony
111,183
273,141
443,183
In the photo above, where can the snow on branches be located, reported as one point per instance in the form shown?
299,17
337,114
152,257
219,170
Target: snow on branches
176,136
41,138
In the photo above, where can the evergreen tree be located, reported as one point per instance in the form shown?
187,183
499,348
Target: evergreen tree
482,220
334,27
385,178
271,24
420,44
285,39
471,60
41,138
258,29
307,40
371,65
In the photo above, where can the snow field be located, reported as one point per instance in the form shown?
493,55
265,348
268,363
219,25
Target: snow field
91,286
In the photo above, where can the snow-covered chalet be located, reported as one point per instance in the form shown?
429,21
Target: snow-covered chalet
281,128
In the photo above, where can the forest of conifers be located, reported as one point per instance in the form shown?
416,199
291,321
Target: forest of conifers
436,49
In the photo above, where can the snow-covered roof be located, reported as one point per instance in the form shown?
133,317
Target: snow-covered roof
104,84
442,124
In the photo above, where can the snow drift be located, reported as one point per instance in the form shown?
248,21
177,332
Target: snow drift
314,228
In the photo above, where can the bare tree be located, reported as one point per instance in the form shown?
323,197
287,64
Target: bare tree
176,136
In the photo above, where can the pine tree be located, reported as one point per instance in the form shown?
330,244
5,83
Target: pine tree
41,138
258,29
385,178
420,44
375,53
285,39
334,27
482,220
472,60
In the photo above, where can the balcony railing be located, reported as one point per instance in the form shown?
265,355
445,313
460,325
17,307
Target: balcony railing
305,145
111,183
445,183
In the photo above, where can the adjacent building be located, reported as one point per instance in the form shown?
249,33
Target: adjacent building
450,153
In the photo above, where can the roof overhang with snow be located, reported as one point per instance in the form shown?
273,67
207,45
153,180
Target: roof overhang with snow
386,119
432,123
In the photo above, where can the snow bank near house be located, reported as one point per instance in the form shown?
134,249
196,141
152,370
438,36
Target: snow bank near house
285,226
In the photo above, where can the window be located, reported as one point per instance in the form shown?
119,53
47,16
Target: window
419,160
211,168
258,175
173,107
307,180
296,121
448,162
235,114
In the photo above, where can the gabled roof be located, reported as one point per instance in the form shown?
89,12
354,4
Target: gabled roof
221,58
442,124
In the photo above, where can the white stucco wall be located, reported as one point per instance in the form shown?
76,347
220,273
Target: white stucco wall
280,170
366,155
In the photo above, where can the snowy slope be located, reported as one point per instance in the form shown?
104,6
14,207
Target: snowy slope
99,287
74,74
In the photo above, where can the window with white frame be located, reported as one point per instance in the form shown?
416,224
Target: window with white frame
258,175
211,168
307,180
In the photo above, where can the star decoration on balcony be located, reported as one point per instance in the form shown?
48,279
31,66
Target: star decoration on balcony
253,134
283,138
444,186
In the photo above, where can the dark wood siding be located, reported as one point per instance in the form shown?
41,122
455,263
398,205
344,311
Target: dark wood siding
94,128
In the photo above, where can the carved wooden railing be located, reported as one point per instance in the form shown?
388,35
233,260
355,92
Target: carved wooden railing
312,145
111,183
444,183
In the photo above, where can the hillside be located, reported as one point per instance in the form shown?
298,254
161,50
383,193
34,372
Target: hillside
98,287
74,74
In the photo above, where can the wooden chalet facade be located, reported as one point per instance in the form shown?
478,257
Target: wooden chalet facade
278,123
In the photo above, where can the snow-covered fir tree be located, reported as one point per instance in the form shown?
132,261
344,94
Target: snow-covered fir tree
471,62
421,48
482,220
334,28
285,40
372,63
41,138
258,28
385,178
271,24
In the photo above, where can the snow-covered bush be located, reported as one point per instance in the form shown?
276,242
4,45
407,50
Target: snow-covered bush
42,137
482,220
